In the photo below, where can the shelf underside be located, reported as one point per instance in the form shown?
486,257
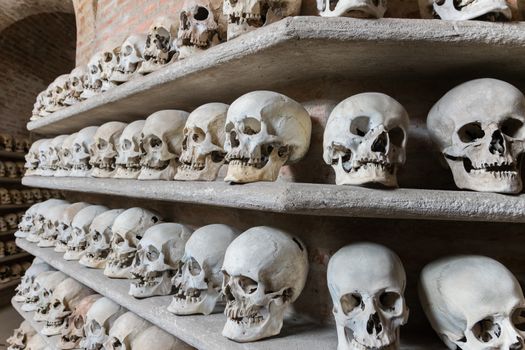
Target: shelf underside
11,155
309,199
305,48
202,332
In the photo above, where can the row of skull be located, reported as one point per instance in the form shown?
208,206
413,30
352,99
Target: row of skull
82,318
10,221
253,276
10,143
257,134
12,271
7,248
26,195
11,169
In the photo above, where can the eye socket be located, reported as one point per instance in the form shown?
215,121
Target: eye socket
152,254
155,142
389,300
127,50
486,330
518,319
193,267
201,14
126,145
94,69
396,136
511,126
198,135
251,126
350,301
78,322
248,285
102,144
470,132
360,126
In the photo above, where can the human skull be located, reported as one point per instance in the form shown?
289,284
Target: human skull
3,225
41,290
130,58
37,194
203,144
44,166
162,137
11,248
128,229
352,8
10,169
99,320
202,25
81,152
76,85
37,228
64,227
16,196
26,224
5,198
65,156
38,107
473,303
479,128
104,149
36,342
199,281
46,194
460,10
16,270
367,283
32,159
21,336
20,169
160,49
19,144
29,277
264,130
129,151
99,239
247,15
124,331
109,64
11,220
155,338
5,273
64,301
6,142
59,90
265,270
76,246
53,152
93,80
157,258
50,227
73,329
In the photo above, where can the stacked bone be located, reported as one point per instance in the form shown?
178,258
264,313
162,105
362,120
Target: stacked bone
26,196
79,316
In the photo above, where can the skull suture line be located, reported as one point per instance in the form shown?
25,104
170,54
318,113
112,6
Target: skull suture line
64,229
265,270
160,46
460,10
352,8
76,246
479,128
131,56
264,130
104,149
473,303
199,281
99,320
129,151
365,140
367,282
73,330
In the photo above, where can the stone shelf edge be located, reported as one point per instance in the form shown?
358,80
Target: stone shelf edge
14,206
8,180
292,50
12,155
202,332
309,199
13,257
37,326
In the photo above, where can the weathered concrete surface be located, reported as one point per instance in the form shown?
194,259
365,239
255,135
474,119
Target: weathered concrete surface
203,332
309,199
304,48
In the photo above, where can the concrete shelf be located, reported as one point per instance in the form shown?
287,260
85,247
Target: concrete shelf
12,155
5,207
9,180
202,332
309,199
303,48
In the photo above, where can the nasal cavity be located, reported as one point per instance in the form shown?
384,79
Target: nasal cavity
497,145
373,326
380,143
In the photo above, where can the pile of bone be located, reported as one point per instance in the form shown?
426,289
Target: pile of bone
14,271
26,195
82,318
9,143
173,144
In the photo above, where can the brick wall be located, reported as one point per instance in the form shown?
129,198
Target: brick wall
33,52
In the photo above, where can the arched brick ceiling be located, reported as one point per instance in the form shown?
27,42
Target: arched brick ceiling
12,11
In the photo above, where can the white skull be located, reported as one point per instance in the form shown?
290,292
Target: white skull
264,130
365,140
162,137
64,229
36,342
6,142
93,81
73,329
32,159
202,25
473,303
44,167
198,282
38,297
76,246
99,239
11,220
5,198
352,8
129,151
38,107
81,151
53,152
28,279
16,197
105,148
65,156
26,223
21,336
124,331
479,128
65,299
265,270
128,229
50,227
99,320
367,283
247,15
203,144
157,258
160,49
56,93
156,338
460,10
76,85
130,58
10,169
39,219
